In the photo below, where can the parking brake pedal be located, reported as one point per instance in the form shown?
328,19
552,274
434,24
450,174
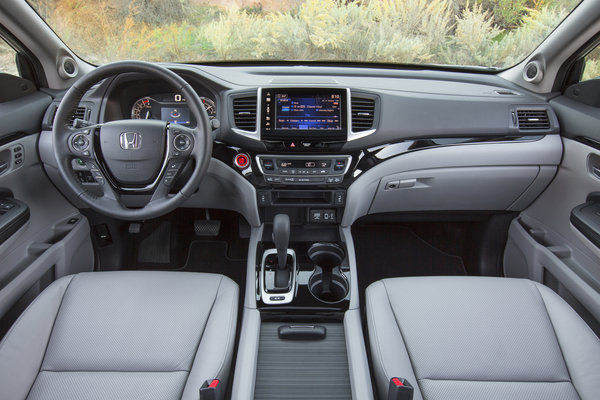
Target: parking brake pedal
207,227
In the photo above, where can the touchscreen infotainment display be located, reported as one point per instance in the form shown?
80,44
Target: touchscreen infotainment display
308,113
299,113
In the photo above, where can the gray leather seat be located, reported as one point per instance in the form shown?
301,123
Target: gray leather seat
122,335
463,338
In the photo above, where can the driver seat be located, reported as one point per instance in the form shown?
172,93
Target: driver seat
122,335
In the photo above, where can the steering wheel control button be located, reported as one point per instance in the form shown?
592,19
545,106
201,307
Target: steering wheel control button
80,142
174,166
182,142
241,160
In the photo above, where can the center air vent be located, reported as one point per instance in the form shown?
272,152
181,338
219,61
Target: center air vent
244,113
80,113
363,113
533,120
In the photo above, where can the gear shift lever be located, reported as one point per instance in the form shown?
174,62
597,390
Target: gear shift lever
281,238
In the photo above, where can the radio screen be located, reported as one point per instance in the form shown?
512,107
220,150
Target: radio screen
307,113
302,113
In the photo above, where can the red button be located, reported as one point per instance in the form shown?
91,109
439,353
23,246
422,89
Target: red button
241,161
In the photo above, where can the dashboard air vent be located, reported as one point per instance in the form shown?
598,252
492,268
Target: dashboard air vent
244,113
363,113
80,113
533,120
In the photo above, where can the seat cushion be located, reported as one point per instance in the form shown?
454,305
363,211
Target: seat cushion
122,335
480,338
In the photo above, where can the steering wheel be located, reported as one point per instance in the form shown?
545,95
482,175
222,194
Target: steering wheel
134,162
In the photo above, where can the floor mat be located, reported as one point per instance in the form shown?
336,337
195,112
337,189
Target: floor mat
155,247
213,257
396,251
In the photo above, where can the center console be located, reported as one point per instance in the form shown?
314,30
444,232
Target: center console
302,261
302,184
303,172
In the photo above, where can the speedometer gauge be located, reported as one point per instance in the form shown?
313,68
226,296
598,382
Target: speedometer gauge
143,109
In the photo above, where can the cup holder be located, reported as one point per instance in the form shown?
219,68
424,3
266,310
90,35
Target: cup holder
338,287
327,283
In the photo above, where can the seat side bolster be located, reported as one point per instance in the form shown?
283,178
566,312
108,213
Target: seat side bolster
215,351
23,348
579,345
388,351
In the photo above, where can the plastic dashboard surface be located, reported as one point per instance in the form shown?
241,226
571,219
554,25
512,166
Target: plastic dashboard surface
410,104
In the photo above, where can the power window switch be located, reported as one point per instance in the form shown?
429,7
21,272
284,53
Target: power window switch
5,205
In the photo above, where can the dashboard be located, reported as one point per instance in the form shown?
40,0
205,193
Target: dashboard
347,142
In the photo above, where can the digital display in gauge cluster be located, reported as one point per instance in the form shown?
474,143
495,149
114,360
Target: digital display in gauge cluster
170,107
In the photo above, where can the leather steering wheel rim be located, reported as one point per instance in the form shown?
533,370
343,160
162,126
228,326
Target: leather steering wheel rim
108,204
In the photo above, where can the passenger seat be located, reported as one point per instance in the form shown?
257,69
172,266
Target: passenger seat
467,338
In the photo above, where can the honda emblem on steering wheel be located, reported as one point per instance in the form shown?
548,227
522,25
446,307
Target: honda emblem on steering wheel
130,140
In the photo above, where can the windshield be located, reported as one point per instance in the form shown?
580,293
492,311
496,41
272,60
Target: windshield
484,33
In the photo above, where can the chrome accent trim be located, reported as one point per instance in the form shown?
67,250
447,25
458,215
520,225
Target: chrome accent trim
297,156
152,186
255,135
288,296
351,134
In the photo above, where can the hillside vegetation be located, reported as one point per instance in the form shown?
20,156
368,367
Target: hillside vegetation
496,33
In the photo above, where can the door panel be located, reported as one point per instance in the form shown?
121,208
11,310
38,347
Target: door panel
55,238
42,235
543,243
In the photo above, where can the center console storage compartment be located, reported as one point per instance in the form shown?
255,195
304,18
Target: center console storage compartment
308,369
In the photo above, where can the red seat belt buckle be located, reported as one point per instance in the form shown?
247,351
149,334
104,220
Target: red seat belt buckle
210,390
400,389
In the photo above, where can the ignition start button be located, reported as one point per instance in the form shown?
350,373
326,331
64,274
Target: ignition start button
242,160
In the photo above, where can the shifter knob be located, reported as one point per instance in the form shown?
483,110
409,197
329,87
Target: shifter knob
281,238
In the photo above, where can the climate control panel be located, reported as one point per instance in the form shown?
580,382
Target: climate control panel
303,170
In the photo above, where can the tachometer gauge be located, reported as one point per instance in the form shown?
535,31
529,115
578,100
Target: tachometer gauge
211,108
143,109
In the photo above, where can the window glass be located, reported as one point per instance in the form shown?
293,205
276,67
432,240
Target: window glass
488,34
8,63
591,67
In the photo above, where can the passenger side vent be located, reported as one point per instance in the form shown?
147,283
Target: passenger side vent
529,120
80,113
244,113
363,113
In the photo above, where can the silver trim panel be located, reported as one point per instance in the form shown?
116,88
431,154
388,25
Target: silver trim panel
287,297
350,134
255,135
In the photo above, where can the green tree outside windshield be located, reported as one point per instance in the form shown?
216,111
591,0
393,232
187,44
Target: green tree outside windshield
491,33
